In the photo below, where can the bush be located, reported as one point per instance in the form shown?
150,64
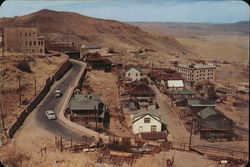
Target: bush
24,66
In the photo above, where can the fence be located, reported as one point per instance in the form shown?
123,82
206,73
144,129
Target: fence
68,144
38,98
215,151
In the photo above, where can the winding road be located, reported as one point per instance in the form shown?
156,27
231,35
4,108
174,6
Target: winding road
50,102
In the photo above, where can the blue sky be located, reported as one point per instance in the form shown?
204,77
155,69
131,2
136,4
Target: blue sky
201,11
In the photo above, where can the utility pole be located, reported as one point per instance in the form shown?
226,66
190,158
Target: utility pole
2,44
1,108
20,91
35,84
190,138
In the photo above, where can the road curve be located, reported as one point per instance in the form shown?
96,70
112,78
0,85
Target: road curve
50,102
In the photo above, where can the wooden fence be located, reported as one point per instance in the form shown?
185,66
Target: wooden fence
209,150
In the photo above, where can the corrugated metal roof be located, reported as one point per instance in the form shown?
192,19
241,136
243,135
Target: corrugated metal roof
92,46
206,112
200,102
143,112
181,92
175,83
84,102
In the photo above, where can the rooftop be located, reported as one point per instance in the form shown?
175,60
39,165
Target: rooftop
223,90
181,92
91,46
175,83
200,102
142,90
206,112
84,102
197,66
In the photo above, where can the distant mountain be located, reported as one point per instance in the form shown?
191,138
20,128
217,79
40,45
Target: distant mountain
69,26
193,29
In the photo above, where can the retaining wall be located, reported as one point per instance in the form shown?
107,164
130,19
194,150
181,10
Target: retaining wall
38,98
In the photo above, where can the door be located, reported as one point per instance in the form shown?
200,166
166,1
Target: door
140,129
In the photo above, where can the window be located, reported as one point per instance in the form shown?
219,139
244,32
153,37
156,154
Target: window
38,42
26,43
136,74
30,43
41,42
33,50
34,33
20,34
41,51
25,34
129,74
146,120
153,128
34,43
30,34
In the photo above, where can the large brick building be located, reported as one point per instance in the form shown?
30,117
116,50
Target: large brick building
23,39
197,72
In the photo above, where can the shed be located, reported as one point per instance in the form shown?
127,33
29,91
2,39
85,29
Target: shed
224,91
175,84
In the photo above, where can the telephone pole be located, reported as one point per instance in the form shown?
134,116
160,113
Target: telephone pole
2,117
190,137
20,91
35,84
2,44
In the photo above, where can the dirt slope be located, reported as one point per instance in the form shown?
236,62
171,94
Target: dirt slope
82,29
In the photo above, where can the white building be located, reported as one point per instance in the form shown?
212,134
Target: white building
175,84
146,121
133,73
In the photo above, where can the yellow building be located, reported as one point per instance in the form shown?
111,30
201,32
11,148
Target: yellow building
197,72
23,39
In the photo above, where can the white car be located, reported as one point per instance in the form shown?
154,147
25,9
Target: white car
58,93
50,114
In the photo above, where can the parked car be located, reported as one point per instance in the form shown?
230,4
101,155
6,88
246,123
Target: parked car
58,93
50,114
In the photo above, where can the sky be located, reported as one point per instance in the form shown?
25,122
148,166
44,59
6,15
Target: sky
197,11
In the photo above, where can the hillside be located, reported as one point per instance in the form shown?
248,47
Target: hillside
82,29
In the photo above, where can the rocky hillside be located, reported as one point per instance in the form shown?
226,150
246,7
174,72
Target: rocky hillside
81,29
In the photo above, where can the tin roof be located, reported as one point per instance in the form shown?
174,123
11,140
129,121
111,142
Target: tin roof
175,83
91,46
200,102
206,112
84,102
181,92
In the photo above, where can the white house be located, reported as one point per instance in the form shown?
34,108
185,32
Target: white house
175,84
146,121
133,73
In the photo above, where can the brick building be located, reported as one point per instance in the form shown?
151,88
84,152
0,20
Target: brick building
197,72
23,39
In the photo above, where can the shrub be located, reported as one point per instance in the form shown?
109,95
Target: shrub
24,66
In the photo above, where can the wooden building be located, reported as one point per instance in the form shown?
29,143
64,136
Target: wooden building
143,95
212,124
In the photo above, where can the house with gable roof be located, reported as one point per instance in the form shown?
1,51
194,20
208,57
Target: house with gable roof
133,73
146,121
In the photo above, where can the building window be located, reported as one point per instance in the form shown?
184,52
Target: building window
129,74
38,42
41,51
146,120
33,50
34,33
136,74
30,34
30,43
41,42
25,34
26,43
20,34
34,43
153,128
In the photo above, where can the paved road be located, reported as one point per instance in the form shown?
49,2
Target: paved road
52,103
